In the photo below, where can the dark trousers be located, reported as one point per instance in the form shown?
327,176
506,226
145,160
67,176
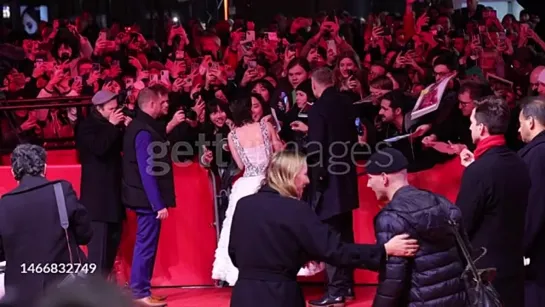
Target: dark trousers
145,249
103,246
340,280
534,294
511,290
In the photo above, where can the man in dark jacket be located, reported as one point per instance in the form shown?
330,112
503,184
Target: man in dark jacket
333,184
532,131
32,241
433,276
147,185
493,198
99,140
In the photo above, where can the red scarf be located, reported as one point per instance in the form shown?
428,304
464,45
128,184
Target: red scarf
486,144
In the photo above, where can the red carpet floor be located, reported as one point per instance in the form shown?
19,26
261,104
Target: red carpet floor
212,297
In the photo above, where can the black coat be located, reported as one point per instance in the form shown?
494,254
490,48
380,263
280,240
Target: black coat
272,237
432,278
332,137
30,233
99,144
493,198
533,155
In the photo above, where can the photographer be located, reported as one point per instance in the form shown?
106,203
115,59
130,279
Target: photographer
99,143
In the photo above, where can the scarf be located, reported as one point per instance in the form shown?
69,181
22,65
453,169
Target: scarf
488,143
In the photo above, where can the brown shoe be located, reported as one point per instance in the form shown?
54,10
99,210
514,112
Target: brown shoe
150,302
159,297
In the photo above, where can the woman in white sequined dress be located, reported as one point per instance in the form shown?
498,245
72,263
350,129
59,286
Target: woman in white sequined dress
251,144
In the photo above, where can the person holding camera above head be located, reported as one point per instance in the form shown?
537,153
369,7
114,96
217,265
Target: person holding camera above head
99,141
147,185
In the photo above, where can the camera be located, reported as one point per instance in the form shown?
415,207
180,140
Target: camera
189,113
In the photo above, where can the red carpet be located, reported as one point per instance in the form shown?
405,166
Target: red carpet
212,297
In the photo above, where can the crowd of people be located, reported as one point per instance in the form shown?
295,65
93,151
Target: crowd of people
433,83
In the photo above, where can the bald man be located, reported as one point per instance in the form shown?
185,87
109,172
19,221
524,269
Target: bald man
534,77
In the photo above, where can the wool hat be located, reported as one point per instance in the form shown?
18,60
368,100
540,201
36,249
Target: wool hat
388,161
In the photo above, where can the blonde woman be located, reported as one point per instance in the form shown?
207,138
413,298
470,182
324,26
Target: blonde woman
274,234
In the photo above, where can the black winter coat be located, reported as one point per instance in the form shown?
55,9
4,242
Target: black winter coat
432,277
99,145
534,231
31,235
493,198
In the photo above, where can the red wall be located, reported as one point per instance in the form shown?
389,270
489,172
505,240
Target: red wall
188,237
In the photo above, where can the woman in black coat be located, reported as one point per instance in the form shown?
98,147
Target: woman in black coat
273,235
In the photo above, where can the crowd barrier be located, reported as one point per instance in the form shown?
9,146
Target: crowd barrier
188,236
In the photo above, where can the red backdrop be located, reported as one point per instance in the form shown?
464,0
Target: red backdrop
188,237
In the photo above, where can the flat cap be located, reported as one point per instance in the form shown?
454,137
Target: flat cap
102,97
388,161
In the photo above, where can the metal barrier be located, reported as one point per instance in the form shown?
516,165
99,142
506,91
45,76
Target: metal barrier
217,221
45,103
78,102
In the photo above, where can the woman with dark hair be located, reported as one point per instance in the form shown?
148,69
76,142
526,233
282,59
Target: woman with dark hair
259,108
251,144
304,99
217,125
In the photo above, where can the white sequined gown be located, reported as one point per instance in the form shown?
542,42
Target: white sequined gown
255,160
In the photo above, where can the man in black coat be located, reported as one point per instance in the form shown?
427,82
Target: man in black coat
32,241
493,198
532,131
99,141
332,136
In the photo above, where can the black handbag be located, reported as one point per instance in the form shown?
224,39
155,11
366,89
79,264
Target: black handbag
75,274
478,283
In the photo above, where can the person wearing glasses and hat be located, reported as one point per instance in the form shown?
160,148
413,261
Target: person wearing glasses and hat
433,275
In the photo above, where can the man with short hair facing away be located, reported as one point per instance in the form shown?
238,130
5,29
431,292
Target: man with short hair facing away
532,132
147,186
493,198
333,189
99,140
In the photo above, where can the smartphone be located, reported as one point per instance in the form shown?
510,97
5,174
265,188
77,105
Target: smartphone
180,54
129,82
77,79
272,36
154,77
102,36
252,64
38,62
332,46
96,66
165,75
359,129
250,36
